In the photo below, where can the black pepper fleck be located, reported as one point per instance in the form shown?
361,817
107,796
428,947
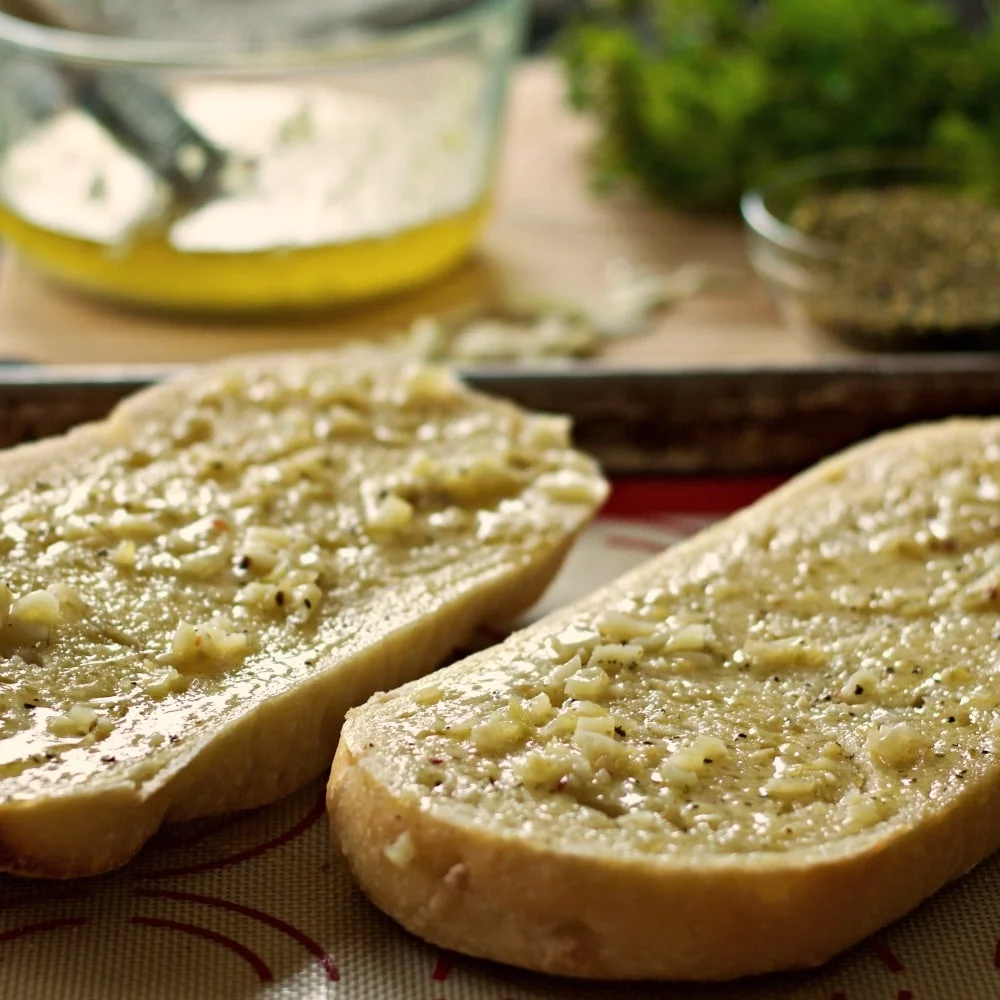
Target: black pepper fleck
858,689
951,718
279,598
245,562
620,731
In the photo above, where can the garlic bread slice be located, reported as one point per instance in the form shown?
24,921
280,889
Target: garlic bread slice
745,756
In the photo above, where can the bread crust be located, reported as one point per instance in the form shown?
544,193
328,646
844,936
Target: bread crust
570,914
505,896
269,751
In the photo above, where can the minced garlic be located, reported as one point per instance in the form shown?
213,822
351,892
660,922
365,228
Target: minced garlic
40,607
401,851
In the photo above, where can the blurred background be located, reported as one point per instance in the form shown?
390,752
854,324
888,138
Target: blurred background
664,182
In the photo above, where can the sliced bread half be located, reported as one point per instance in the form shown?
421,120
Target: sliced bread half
745,756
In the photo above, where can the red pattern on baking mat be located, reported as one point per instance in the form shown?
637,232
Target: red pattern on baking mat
441,969
904,995
42,926
313,817
887,958
633,543
314,947
254,960
684,524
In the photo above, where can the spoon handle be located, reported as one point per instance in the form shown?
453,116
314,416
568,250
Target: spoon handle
140,117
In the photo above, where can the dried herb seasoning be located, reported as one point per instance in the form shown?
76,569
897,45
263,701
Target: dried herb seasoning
907,261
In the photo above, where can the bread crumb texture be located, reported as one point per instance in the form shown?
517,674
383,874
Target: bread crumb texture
222,545
822,667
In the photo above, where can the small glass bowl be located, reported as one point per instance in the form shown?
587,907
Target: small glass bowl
893,292
369,147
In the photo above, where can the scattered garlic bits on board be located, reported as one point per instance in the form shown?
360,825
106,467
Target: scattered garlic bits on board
539,329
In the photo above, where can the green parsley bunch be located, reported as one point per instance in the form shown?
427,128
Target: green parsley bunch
697,100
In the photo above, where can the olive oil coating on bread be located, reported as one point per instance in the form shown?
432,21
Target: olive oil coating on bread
744,756
194,591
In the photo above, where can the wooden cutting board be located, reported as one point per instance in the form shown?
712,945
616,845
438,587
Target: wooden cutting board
550,233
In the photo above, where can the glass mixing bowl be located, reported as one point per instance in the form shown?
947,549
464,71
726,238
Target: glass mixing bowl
358,149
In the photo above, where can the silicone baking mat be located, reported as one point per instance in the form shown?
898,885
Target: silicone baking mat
258,907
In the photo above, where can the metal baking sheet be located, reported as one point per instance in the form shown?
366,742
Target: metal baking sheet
742,421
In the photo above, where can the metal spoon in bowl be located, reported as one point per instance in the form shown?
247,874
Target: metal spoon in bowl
142,119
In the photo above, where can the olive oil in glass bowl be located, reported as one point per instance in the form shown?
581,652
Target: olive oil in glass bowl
885,252
359,143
